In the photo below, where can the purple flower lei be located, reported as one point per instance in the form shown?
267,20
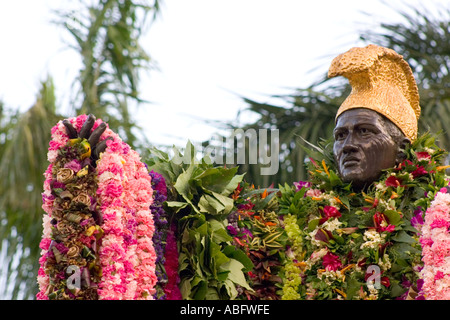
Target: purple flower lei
161,227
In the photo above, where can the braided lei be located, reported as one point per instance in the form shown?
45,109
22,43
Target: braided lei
98,226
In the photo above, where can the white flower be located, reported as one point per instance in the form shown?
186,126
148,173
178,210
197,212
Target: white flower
386,204
384,262
329,276
331,224
372,238
373,292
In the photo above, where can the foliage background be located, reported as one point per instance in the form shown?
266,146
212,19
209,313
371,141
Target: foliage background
105,34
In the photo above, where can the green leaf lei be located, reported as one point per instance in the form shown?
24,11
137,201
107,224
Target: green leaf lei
199,202
349,245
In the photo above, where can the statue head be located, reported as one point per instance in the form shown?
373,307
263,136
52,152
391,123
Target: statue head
379,117
365,144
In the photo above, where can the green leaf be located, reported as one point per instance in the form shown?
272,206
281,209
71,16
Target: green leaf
184,188
393,216
203,230
183,261
346,202
200,293
313,224
396,290
293,209
227,202
216,204
222,276
236,275
339,239
404,250
159,154
334,179
182,185
212,294
220,180
196,280
231,289
402,236
263,204
185,288
353,287
221,235
177,205
216,250
299,194
208,204
239,255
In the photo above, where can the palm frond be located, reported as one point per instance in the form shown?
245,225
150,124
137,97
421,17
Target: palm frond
22,164
107,37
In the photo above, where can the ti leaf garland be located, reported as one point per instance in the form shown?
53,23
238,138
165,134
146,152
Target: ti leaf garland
199,202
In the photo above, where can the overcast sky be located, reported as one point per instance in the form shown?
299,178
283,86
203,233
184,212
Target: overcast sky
208,52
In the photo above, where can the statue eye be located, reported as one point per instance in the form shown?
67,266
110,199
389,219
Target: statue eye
340,135
365,131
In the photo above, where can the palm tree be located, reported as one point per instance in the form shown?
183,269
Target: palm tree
421,39
107,37
22,162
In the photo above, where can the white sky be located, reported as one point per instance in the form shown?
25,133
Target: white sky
208,52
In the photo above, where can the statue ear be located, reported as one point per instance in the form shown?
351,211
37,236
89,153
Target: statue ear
401,156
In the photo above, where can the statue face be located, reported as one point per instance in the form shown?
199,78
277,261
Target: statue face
363,147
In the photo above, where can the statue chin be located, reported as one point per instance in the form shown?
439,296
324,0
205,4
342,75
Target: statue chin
358,178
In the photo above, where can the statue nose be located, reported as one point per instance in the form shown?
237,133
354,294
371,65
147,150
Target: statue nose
349,148
349,145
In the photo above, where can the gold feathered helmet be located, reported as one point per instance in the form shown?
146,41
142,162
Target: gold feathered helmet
381,81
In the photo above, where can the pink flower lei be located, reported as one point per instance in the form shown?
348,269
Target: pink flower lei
125,253
435,241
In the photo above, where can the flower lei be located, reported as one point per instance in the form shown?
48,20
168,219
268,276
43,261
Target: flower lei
165,244
258,231
347,245
171,289
98,224
435,240
69,211
161,229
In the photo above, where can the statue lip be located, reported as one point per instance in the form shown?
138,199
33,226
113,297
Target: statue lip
350,161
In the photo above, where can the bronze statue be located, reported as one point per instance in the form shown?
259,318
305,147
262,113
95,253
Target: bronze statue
343,238
379,118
